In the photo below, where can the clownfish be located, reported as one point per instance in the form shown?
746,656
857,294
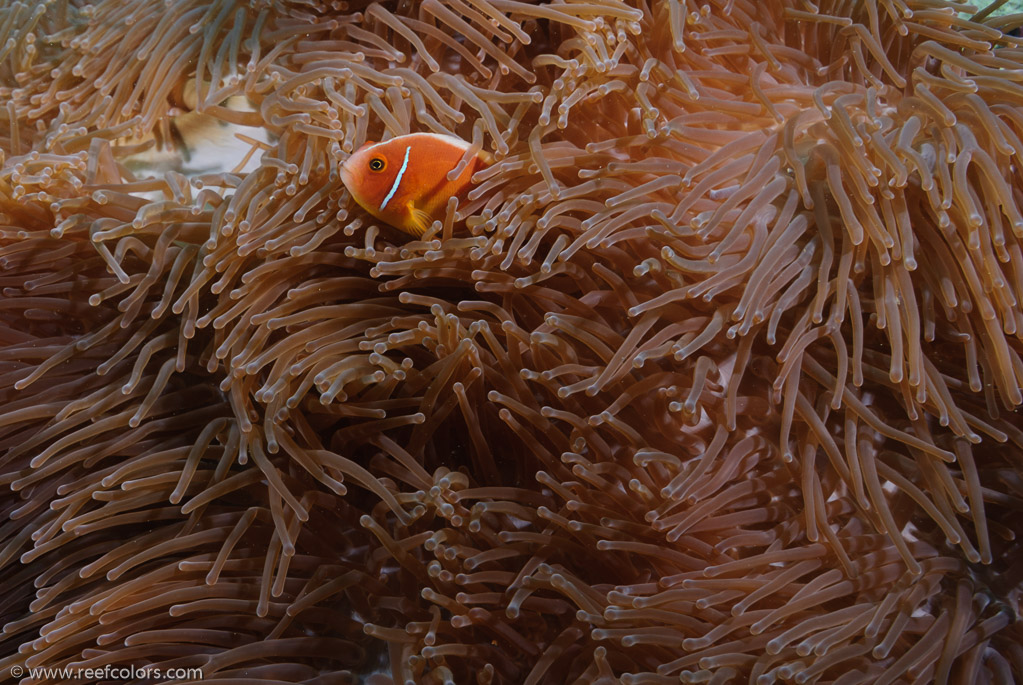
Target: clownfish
404,181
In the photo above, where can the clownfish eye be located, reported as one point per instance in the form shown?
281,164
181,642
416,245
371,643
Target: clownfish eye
376,164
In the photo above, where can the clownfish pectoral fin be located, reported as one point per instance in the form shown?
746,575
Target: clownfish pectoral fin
418,221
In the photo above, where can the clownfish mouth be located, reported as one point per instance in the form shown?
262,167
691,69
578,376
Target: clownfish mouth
346,175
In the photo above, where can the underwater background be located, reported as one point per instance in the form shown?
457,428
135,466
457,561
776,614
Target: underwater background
714,375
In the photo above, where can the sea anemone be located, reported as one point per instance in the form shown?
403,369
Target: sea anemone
713,376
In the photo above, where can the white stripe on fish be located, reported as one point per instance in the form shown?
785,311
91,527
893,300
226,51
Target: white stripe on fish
397,179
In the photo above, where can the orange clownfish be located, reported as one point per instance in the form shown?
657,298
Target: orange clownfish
404,181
